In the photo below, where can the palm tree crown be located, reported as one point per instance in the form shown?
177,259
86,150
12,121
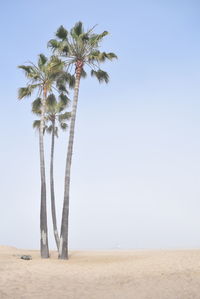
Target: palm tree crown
41,77
80,48
54,113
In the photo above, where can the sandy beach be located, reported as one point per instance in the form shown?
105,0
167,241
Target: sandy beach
101,275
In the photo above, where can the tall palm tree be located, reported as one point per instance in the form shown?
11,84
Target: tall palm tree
55,117
79,49
41,78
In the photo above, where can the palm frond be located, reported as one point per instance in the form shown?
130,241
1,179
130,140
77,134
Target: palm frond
55,63
111,56
77,30
84,37
71,81
64,116
101,36
61,33
53,44
49,129
42,60
66,77
100,56
63,102
26,68
61,85
100,75
95,39
63,126
36,124
24,92
51,101
36,106
64,47
30,72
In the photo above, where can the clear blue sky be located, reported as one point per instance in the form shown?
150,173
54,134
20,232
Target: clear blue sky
136,163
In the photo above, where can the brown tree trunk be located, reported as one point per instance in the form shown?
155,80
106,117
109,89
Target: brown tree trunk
53,206
44,248
63,248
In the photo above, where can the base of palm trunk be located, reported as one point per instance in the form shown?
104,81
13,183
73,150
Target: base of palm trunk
63,257
63,250
44,252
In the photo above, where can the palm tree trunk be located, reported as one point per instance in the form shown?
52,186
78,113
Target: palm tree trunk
63,248
44,248
53,207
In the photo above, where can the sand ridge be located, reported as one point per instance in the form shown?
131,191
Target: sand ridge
101,275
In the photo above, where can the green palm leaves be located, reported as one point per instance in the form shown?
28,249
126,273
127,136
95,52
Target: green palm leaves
40,76
54,113
79,45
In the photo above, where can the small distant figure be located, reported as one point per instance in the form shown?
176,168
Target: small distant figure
26,257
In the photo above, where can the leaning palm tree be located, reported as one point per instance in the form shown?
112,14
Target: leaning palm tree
55,118
79,49
41,78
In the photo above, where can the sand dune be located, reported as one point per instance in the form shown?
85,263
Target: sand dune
101,275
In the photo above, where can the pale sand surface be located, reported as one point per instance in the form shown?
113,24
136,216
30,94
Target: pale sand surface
101,275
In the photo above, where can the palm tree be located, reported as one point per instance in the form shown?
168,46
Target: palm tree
54,114
41,78
79,49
